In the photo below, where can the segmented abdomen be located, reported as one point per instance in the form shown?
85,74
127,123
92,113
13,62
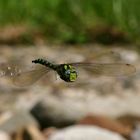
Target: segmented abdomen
45,63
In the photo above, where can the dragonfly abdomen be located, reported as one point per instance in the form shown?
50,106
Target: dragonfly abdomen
45,63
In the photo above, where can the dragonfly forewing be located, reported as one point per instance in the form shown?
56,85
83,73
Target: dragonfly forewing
107,69
9,70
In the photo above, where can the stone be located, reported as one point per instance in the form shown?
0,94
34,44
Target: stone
4,136
17,121
81,132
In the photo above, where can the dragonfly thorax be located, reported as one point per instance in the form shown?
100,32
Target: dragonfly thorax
67,72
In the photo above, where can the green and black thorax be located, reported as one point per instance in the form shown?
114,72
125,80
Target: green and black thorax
66,71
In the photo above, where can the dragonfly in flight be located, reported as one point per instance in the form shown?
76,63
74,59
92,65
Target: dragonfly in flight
68,72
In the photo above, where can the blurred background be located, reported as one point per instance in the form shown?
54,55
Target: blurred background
65,31
71,21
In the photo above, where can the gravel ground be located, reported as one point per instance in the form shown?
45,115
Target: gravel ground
61,101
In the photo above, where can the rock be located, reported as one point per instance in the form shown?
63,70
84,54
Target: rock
136,133
108,123
47,132
4,136
29,132
81,132
17,121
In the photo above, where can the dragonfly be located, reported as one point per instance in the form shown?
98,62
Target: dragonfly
68,72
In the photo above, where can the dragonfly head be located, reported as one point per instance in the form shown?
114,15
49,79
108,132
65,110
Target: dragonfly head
67,72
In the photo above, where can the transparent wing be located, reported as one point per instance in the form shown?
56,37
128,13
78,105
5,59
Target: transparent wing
9,70
29,77
107,69
105,53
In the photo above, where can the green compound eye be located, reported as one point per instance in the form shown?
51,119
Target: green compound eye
73,76
70,75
